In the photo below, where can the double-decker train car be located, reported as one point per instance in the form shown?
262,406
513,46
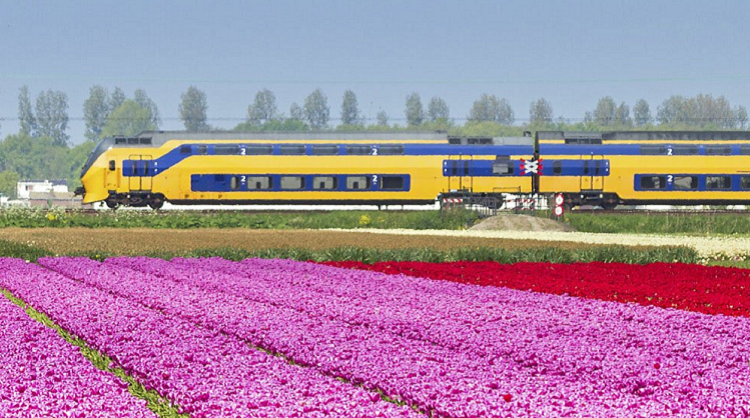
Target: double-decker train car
378,168
383,168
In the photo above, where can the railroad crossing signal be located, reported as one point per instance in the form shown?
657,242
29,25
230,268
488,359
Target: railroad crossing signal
559,201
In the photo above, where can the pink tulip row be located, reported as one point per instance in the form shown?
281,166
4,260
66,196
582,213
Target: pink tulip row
42,375
453,349
206,373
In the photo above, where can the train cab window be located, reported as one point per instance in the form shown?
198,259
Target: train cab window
133,141
121,140
202,149
502,168
234,183
718,150
358,182
685,150
259,183
358,150
685,182
745,182
653,150
111,165
292,182
259,149
391,150
292,149
557,168
391,183
226,149
718,182
653,182
185,149
324,183
325,149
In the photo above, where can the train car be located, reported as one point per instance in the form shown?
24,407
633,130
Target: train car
645,168
380,168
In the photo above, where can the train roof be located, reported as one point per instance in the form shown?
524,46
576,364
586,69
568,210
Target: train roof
636,136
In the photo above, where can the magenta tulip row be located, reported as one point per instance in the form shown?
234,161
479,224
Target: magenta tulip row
206,373
456,350
42,375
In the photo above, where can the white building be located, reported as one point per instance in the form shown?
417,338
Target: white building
26,187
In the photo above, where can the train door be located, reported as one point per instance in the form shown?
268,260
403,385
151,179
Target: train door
459,174
141,169
593,171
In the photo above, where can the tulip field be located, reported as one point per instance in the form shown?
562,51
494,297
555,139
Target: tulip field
282,338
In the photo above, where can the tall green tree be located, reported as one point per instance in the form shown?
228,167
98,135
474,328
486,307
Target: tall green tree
263,109
316,109
540,112
25,114
437,110
489,108
129,119
604,113
642,113
295,112
8,181
350,109
193,107
382,119
95,112
116,99
414,110
143,100
52,116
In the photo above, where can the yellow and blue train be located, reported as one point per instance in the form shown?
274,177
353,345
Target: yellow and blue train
385,168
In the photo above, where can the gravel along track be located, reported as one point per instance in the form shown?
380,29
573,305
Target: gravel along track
127,241
706,246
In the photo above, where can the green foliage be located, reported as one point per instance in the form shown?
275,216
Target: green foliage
276,125
8,181
540,112
263,110
707,224
95,112
129,119
489,108
27,251
414,110
350,109
193,106
316,109
52,116
39,217
437,110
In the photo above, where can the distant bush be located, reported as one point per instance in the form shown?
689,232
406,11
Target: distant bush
662,223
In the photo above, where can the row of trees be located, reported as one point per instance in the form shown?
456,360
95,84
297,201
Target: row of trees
114,113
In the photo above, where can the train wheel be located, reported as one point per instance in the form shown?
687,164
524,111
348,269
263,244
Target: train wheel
609,205
156,203
112,204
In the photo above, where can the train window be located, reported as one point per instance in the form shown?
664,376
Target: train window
325,149
358,150
685,150
454,168
586,168
557,167
324,183
121,140
718,182
185,149
133,141
234,183
145,141
292,182
202,149
226,149
111,165
358,183
653,182
745,182
685,182
718,150
292,149
744,149
653,150
502,168
259,149
391,183
391,150
259,183
466,168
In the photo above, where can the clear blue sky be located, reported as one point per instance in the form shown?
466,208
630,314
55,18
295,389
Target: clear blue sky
570,52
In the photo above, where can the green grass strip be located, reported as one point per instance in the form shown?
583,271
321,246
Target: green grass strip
161,406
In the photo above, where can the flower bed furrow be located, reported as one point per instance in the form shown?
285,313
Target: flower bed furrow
207,373
43,376
429,377
711,290
563,355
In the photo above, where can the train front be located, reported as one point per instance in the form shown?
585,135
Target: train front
93,174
